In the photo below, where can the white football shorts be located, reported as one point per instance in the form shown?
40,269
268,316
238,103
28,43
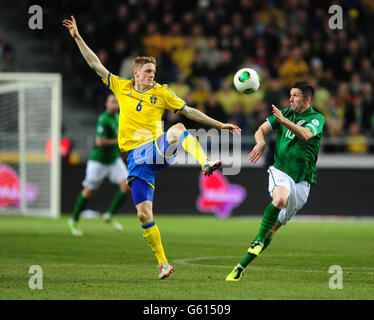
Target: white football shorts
96,172
297,193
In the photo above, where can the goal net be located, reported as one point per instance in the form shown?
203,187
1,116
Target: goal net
30,131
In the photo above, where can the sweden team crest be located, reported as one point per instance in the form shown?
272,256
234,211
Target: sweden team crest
153,99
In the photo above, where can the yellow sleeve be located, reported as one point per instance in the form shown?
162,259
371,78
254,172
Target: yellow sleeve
171,101
111,82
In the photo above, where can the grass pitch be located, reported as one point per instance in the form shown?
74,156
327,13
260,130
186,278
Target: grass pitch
107,264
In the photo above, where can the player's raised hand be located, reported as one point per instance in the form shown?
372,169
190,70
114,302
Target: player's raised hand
71,25
256,152
233,129
278,113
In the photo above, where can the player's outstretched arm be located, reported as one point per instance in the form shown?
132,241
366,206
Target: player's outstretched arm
259,148
91,58
198,116
302,133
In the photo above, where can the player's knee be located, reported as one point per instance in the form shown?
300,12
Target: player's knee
180,126
175,132
87,193
178,129
280,201
144,217
141,217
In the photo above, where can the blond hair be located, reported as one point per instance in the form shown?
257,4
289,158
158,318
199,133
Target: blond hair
141,61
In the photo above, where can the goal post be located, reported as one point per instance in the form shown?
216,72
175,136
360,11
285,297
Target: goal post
30,134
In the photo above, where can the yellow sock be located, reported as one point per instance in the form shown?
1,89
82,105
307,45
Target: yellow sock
192,146
153,237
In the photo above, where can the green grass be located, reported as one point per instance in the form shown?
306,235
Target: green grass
107,264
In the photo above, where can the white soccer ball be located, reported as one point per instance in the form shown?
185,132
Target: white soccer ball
247,81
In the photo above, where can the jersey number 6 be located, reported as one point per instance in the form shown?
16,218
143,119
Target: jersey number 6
139,106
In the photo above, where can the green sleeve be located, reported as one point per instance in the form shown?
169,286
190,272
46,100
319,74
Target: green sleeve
101,131
273,121
316,124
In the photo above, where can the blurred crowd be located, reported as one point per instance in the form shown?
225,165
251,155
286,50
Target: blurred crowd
7,55
200,44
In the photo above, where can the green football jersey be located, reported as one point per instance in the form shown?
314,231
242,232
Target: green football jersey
292,155
106,128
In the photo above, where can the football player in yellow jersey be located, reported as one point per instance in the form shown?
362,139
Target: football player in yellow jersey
142,103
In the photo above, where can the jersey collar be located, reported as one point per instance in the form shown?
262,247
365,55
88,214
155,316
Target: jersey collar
144,90
307,111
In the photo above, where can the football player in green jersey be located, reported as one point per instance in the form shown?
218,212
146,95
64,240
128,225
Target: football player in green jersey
104,161
294,170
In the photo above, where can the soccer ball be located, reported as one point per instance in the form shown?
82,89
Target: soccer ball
247,81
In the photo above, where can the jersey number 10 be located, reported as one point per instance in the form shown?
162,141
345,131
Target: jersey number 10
289,134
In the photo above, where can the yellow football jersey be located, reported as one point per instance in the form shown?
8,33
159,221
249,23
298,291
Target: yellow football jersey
140,116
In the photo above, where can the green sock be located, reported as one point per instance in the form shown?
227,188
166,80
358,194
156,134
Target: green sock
249,257
268,221
80,204
118,200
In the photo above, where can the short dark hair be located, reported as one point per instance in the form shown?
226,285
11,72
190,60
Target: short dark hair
306,89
